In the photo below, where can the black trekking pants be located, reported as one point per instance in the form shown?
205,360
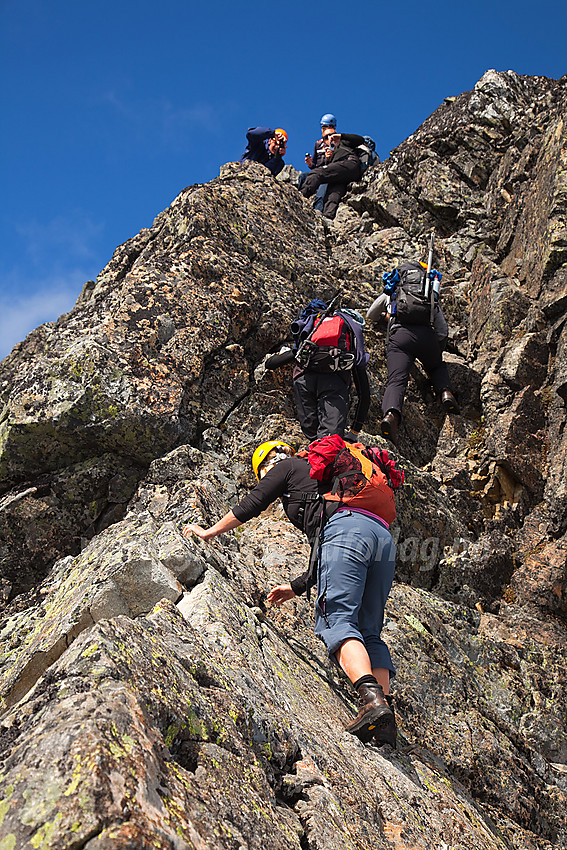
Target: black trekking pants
322,403
406,344
338,175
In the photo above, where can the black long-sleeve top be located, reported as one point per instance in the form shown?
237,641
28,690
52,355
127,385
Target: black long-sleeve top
360,378
288,476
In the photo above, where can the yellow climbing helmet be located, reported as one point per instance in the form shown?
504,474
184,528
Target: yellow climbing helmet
264,450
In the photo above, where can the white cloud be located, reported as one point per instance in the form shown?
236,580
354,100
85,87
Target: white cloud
21,314
44,271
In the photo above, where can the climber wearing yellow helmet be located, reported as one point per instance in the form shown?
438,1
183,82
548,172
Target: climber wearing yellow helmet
354,570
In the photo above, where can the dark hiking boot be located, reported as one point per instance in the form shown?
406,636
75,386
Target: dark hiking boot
449,401
386,732
374,715
389,426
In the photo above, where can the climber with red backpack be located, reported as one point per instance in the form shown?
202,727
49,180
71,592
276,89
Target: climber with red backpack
341,496
328,356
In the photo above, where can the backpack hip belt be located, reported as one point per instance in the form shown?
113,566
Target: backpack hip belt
329,347
324,358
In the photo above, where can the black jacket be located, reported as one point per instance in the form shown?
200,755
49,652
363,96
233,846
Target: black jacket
287,476
347,146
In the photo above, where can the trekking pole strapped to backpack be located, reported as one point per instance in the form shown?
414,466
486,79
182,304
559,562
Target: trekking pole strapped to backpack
324,315
428,282
414,290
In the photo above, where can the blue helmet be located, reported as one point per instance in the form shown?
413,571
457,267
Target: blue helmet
328,120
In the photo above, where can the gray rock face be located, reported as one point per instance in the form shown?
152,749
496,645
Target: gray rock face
148,697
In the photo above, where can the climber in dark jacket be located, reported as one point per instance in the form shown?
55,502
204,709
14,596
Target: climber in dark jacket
328,125
322,398
406,343
266,146
355,574
342,168
321,154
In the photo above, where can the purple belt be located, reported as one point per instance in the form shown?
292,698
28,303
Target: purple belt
366,513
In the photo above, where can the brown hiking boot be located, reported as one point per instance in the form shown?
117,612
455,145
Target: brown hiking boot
374,718
386,733
389,426
449,401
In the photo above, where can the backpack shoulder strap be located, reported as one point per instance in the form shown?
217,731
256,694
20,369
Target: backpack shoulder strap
356,451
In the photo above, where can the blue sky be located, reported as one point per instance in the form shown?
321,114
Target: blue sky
109,109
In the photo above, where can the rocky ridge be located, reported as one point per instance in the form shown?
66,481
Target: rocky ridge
148,697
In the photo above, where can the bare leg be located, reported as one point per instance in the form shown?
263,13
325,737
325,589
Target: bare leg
382,676
353,658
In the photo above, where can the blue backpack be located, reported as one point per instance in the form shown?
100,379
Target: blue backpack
367,153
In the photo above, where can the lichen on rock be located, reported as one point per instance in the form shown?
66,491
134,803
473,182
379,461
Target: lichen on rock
149,699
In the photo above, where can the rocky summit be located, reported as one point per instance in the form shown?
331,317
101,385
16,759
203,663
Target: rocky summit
149,697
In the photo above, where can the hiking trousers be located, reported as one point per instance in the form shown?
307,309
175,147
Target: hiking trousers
321,399
356,569
319,201
407,343
338,175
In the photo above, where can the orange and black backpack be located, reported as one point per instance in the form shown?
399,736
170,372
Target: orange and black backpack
359,477
356,477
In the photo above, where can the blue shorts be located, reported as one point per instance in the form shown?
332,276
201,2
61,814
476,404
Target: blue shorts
356,570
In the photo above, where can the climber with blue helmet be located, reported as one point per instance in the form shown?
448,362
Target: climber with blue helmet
328,126
342,166
321,154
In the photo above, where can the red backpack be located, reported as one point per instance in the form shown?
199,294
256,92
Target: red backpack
329,347
360,477
332,331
